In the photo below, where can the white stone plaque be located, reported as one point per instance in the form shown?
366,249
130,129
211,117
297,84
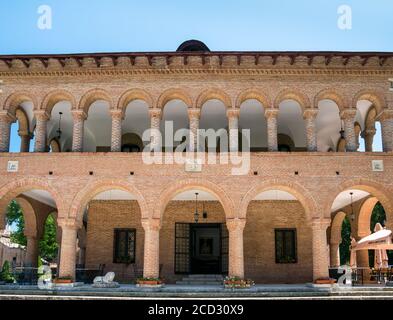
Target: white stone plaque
377,165
12,166
193,165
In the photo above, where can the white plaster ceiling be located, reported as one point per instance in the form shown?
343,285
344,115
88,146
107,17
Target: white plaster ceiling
275,195
115,194
213,115
344,198
41,196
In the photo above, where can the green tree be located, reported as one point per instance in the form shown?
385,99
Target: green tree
15,218
47,245
345,241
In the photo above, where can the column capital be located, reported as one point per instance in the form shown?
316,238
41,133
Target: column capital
271,113
117,114
79,114
194,113
310,114
70,224
7,117
151,224
368,132
321,222
235,224
41,115
155,113
348,114
233,113
24,133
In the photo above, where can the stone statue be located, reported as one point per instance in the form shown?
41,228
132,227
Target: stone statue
106,281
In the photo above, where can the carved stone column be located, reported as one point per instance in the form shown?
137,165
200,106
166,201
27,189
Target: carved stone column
236,253
117,117
69,231
194,116
151,263
79,117
320,248
348,116
271,118
40,131
155,135
368,136
233,127
310,116
386,119
25,138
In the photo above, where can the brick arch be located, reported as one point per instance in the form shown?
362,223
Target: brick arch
174,94
211,94
83,197
13,189
92,96
171,190
364,218
131,95
14,100
370,118
333,95
335,230
31,227
293,94
56,96
23,120
256,94
292,187
376,97
378,190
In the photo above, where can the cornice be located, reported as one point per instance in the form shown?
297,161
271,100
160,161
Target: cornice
80,72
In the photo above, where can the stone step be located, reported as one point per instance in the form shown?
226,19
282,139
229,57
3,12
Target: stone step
205,276
199,282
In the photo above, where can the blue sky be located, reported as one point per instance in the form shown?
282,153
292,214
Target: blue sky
121,25
156,25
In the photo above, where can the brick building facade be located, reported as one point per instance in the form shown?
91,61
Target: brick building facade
277,222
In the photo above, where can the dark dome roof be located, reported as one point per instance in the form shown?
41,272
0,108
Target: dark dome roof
192,45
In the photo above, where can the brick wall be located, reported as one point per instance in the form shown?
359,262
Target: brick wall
263,217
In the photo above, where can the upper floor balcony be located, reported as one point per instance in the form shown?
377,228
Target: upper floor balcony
172,101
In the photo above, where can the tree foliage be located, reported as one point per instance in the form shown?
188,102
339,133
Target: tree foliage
345,242
14,217
47,245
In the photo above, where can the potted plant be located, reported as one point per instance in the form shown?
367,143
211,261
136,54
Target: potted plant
237,283
149,282
63,280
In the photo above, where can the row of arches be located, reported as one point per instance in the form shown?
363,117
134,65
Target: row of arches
98,124
343,101
276,197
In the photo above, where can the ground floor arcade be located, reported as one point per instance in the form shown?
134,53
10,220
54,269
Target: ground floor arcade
272,227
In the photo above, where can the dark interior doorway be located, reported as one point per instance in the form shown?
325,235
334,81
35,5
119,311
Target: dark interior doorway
201,248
